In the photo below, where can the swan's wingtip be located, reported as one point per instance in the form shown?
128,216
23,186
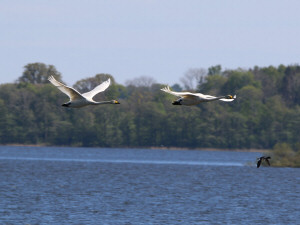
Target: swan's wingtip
50,77
166,88
108,81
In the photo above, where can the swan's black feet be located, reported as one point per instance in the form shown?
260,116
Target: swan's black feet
176,103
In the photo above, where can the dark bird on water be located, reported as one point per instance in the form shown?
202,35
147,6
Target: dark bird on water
263,158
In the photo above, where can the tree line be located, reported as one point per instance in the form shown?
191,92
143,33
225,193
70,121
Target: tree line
265,113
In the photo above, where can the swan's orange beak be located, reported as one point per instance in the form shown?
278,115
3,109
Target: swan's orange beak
116,102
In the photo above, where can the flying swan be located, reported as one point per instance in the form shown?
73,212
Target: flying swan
188,98
78,100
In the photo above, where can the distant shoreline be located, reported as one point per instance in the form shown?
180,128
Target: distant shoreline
153,147
212,149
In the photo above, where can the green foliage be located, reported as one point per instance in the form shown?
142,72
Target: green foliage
290,85
213,84
238,79
265,112
176,87
38,73
284,156
214,70
270,78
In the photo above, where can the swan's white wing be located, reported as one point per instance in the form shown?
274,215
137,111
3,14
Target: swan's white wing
193,95
207,97
71,92
178,94
96,90
187,94
228,100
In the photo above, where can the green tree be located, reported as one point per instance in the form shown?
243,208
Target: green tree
270,78
213,85
215,70
238,79
291,84
38,73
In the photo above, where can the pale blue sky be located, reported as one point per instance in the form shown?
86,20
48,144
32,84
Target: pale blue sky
157,38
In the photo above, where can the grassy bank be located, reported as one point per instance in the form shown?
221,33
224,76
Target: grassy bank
283,155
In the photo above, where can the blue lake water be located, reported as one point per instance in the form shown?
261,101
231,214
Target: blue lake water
55,185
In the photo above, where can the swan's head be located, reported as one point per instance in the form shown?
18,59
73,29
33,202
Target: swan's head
229,97
115,102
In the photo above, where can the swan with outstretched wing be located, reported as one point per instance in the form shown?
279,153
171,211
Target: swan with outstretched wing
78,100
188,98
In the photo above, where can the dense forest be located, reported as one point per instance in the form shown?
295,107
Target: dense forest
265,113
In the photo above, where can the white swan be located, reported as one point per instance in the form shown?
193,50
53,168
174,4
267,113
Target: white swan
188,98
78,100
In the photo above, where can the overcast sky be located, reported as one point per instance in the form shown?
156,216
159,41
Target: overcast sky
157,38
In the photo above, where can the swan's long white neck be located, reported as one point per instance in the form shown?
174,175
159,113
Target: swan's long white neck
216,98
103,102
